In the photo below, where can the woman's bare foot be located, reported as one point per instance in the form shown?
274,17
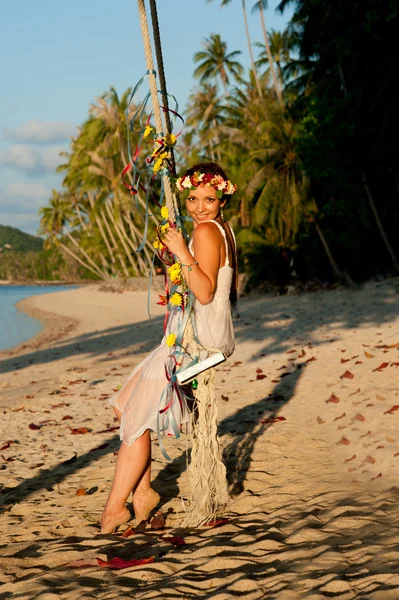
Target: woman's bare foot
144,502
111,520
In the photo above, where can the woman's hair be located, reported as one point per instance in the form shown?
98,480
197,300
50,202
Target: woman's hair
211,168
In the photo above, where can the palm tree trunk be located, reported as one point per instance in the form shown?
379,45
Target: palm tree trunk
111,235
270,57
79,260
87,257
328,252
101,229
135,233
244,10
120,235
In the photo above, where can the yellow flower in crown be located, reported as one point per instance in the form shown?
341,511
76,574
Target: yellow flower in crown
171,339
176,299
164,212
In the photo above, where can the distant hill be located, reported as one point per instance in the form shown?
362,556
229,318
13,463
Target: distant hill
18,240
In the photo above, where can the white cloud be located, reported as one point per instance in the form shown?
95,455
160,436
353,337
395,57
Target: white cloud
41,132
31,160
26,221
35,193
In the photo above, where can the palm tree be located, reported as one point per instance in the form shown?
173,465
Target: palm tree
244,10
280,46
205,113
215,62
261,5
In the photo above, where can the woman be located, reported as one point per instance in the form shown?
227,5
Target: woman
209,267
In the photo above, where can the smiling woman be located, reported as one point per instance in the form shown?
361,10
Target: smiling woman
208,264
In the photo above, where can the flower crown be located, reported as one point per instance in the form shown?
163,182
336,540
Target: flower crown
191,182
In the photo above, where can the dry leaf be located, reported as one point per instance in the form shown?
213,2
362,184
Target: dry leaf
368,355
320,420
157,521
349,459
369,459
81,492
392,409
347,375
359,417
273,420
344,441
79,430
128,532
340,417
333,398
260,376
120,563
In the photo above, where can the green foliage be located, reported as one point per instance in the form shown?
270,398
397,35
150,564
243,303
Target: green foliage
18,240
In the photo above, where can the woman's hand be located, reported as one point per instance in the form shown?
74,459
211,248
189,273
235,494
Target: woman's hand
175,242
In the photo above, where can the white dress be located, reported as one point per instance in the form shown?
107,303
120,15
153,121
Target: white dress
147,388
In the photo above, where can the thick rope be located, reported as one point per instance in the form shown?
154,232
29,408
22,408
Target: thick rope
169,196
161,73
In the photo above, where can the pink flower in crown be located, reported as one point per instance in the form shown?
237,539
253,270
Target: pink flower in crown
178,183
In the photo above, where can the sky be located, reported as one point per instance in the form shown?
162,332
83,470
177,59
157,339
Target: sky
58,57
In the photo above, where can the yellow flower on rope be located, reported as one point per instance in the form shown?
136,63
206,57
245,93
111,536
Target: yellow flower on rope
164,228
171,339
176,299
169,139
159,162
175,273
164,212
147,131
158,245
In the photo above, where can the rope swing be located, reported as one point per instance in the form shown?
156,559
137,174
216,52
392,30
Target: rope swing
207,473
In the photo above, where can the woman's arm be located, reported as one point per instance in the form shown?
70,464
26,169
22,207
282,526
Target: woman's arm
202,277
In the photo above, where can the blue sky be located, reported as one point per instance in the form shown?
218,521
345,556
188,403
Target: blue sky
59,56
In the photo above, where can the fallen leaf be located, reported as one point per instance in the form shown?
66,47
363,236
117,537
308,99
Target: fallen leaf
369,459
120,563
260,370
340,416
157,521
109,429
216,522
273,420
225,398
29,396
82,563
260,376
376,477
392,409
368,355
319,420
353,393
344,441
359,417
34,427
290,351
128,532
79,430
347,375
81,492
302,354
18,409
66,418
37,466
382,366
344,360
379,397
349,459
7,444
59,405
175,540
333,398
359,362
389,439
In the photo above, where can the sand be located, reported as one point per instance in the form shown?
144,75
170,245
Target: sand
309,409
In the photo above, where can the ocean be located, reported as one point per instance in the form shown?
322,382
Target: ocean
16,326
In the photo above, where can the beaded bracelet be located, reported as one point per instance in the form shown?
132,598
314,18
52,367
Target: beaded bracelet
190,267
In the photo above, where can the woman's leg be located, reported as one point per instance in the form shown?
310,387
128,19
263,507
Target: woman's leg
130,466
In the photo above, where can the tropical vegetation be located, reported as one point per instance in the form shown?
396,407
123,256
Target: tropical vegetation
308,135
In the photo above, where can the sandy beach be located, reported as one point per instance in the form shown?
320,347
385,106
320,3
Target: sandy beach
308,418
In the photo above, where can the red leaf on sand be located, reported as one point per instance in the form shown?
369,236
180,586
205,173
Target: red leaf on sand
290,351
395,364
34,427
175,540
347,375
273,420
382,366
66,417
120,563
238,362
370,459
225,398
344,441
349,459
216,522
340,417
393,409
81,492
333,398
302,354
7,444
260,376
311,359
79,430
376,477
359,417
128,532
59,405
99,448
18,409
368,355
29,396
353,393
9,459
388,347
260,370
344,360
